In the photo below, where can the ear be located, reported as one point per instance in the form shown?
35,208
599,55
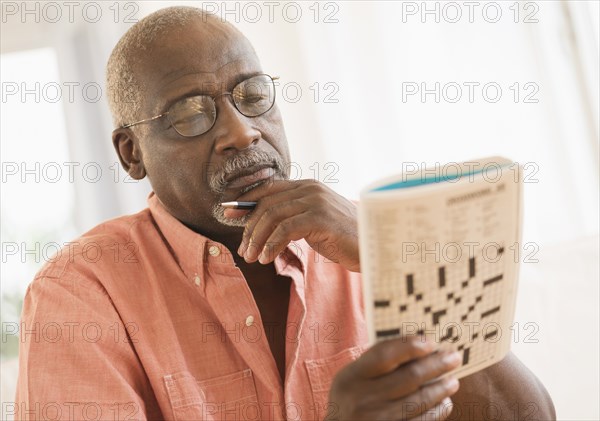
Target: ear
128,149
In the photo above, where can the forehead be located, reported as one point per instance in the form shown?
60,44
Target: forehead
207,55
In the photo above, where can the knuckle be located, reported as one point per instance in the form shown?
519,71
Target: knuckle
415,346
415,373
413,341
384,351
425,396
309,182
269,212
432,394
315,187
284,228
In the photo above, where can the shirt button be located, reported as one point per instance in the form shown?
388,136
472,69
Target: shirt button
197,280
249,320
214,250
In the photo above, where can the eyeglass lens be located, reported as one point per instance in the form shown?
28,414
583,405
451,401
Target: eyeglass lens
196,115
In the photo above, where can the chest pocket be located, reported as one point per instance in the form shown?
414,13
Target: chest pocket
321,373
229,397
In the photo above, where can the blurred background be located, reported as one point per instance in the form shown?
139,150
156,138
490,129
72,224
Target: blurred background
365,87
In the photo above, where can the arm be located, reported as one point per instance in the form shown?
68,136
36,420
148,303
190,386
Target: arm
75,359
289,210
505,391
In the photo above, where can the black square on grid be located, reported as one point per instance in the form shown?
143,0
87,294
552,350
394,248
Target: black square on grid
457,300
478,299
471,308
465,284
450,296
403,307
427,309
418,297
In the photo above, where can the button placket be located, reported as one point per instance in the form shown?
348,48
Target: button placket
251,344
214,251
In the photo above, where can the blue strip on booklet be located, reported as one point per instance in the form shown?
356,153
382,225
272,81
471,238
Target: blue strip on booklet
431,179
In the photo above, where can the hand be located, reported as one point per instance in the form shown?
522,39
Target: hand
388,383
292,210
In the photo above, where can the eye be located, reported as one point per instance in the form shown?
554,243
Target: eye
192,115
254,98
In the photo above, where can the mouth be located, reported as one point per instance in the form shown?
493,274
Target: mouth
249,176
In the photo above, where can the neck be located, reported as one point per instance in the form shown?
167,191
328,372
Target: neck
230,237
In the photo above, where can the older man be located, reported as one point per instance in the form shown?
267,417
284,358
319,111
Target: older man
188,311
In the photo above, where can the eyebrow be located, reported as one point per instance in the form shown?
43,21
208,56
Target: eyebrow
198,90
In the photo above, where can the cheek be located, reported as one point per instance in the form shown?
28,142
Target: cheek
177,169
274,133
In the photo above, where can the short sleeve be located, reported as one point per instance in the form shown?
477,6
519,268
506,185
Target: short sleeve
76,357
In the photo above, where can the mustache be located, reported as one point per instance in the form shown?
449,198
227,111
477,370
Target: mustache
217,180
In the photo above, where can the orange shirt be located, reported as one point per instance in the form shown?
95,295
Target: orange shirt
142,318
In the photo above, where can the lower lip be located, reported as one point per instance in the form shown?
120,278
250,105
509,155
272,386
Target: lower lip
247,180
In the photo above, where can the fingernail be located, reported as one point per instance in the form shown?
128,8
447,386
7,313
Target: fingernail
262,258
451,384
427,343
451,358
241,249
249,253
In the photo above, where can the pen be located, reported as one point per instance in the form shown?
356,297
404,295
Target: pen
238,205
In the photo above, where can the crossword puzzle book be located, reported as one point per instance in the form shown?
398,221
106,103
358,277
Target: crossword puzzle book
439,251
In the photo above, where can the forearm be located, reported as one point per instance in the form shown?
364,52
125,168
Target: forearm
505,391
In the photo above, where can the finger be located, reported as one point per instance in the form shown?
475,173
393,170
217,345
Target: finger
268,212
386,356
411,376
289,229
439,412
235,213
269,220
421,405
428,397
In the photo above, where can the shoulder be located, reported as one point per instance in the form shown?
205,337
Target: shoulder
509,388
96,252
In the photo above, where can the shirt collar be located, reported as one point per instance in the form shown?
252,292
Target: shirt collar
194,252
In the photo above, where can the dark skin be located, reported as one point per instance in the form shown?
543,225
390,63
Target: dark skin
212,57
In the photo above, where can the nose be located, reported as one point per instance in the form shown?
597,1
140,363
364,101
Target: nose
233,129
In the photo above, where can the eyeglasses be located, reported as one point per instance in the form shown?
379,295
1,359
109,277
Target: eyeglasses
195,115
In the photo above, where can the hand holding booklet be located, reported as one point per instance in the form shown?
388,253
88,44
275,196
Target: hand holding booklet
439,252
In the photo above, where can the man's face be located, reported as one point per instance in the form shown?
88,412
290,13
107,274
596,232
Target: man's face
192,175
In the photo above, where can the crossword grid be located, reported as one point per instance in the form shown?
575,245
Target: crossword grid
430,266
468,291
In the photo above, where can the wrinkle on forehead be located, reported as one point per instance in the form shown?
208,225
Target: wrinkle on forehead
238,65
211,82
210,50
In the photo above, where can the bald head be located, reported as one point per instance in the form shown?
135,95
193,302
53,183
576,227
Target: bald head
132,54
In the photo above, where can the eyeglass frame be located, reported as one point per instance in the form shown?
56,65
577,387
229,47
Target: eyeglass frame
214,99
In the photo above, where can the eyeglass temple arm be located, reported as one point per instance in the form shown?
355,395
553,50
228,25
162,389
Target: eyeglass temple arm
144,121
